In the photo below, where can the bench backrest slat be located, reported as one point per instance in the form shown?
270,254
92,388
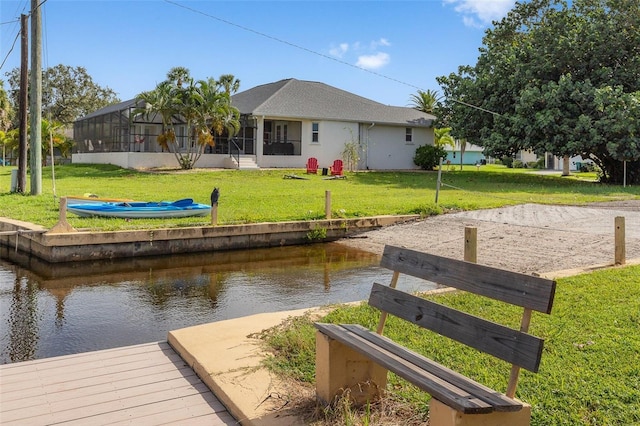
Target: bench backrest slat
500,341
518,289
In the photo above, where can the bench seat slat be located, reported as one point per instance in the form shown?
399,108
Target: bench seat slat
499,401
439,388
512,287
511,345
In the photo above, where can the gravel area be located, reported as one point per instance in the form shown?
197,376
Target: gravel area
529,238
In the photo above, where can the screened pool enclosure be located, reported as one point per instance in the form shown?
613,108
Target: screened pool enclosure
110,129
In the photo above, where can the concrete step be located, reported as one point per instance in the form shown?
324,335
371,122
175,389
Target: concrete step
248,162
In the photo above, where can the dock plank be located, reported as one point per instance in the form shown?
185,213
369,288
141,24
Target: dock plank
143,384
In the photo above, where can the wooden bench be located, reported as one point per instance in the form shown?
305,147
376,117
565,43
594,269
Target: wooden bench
353,358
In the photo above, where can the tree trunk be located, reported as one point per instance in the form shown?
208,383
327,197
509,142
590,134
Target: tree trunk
463,148
565,165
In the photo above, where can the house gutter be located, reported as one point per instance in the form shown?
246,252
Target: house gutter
366,155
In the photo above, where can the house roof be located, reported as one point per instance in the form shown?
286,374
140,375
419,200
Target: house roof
318,101
121,106
311,100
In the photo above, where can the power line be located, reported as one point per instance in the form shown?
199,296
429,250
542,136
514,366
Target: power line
288,43
313,52
15,21
10,22
10,50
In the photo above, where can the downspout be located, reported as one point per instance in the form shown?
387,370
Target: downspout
366,154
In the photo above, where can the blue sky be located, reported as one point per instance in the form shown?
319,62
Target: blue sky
382,50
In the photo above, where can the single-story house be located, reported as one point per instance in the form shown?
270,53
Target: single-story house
283,124
472,153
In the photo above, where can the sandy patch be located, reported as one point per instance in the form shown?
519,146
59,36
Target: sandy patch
529,238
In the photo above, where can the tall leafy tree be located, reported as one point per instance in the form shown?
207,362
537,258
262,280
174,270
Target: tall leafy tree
6,109
203,107
6,118
67,93
558,78
52,134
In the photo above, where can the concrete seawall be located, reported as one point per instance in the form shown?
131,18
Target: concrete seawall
19,239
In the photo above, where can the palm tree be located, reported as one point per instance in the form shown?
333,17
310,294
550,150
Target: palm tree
52,136
425,101
178,75
201,106
230,83
442,137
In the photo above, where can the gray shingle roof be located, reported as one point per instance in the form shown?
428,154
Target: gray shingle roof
122,106
312,100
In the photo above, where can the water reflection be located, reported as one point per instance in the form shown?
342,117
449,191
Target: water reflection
23,320
49,310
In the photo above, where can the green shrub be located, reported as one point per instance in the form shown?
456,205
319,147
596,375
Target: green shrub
587,167
428,157
507,161
426,210
517,164
317,234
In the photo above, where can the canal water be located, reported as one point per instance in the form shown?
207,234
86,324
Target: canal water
58,309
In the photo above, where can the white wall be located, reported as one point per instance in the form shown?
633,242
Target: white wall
387,148
332,139
332,135
145,160
573,162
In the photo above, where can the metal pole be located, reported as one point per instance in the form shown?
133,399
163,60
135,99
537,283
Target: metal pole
438,182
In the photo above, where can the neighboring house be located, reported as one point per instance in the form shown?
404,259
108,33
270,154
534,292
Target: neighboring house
283,124
472,154
576,164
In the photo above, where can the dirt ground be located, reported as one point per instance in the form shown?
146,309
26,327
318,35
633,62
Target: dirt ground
529,238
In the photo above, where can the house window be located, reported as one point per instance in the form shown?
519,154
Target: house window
315,132
408,135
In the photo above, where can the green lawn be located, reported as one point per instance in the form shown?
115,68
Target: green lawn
590,371
265,196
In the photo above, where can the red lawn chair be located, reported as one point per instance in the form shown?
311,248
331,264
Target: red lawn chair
336,169
312,165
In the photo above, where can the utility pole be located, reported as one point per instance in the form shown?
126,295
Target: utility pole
22,106
35,104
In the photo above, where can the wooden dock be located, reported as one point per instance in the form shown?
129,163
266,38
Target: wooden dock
146,384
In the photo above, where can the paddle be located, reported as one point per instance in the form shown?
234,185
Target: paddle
182,203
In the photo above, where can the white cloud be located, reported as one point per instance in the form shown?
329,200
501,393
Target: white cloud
369,55
340,50
378,60
377,43
470,21
481,12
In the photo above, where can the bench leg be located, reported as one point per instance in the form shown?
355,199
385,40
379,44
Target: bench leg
340,369
443,415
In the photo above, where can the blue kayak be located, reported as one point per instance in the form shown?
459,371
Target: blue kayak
137,209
